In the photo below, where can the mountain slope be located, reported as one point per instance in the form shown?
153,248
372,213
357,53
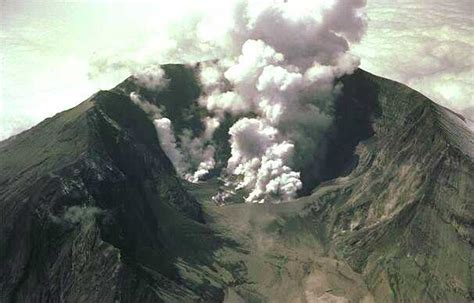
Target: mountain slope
402,219
92,209
91,205
406,223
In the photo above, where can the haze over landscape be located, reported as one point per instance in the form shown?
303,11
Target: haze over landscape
51,58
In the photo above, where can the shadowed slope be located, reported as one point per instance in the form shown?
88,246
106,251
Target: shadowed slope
92,209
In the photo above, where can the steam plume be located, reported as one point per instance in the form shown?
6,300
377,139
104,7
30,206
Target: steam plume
286,56
152,78
277,62
197,151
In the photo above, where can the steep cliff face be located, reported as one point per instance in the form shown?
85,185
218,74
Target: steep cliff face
405,219
395,224
93,211
89,205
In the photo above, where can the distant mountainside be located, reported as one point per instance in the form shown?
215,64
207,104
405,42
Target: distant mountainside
93,210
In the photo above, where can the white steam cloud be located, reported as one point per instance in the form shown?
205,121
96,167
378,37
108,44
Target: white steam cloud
152,77
194,157
261,157
283,58
168,143
198,153
435,56
276,61
83,215
149,108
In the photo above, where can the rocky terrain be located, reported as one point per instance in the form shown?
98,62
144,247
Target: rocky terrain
93,210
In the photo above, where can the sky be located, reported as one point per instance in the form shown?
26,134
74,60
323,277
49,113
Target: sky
55,54
426,44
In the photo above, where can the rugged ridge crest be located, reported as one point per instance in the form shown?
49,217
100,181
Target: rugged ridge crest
92,209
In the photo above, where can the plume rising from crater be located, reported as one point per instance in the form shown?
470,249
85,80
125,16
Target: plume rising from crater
286,56
275,68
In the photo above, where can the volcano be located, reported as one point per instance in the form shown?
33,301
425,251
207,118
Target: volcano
94,211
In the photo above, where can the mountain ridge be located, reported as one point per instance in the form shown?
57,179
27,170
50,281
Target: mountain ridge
398,171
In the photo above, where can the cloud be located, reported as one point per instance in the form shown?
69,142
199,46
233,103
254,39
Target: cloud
210,126
277,61
192,157
152,77
228,101
279,77
83,215
167,141
150,109
261,157
206,164
427,45
198,151
283,78
47,52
